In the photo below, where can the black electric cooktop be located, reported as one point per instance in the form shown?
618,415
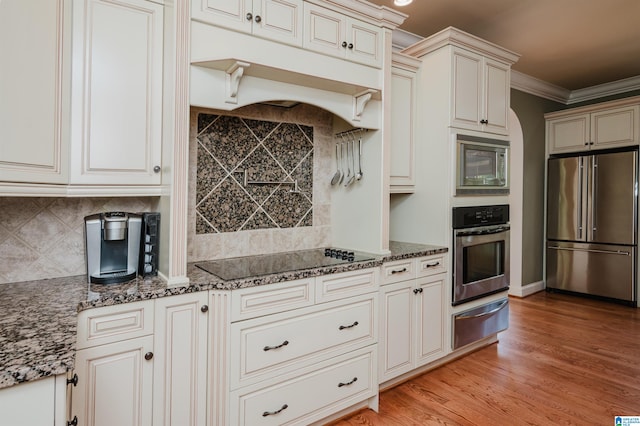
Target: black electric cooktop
253,266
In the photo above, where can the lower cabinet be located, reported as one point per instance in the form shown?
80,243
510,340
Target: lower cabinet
412,331
143,363
38,403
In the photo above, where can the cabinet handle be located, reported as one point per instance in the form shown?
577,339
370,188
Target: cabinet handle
344,44
73,381
398,271
156,169
204,308
484,121
350,46
73,422
268,348
342,327
148,356
249,16
257,18
355,379
417,290
272,413
432,265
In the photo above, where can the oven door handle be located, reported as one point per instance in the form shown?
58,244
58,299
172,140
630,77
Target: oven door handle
484,232
484,314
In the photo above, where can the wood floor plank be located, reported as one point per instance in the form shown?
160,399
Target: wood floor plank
564,360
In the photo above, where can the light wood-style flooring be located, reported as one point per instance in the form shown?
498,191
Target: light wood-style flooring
565,360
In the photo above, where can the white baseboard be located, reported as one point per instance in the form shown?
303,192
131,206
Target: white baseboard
526,290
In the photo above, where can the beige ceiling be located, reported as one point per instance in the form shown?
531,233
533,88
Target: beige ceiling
570,43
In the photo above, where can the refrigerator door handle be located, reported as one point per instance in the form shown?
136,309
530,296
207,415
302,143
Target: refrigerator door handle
594,197
580,183
620,252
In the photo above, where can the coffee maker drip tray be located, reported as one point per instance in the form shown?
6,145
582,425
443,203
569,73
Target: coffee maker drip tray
113,277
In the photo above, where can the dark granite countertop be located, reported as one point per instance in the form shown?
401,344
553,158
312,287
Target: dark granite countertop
39,318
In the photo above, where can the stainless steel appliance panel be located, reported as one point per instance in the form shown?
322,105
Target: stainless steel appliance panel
596,269
481,262
478,323
567,199
613,198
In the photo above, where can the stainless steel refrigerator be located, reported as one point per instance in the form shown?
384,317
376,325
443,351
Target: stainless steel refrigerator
592,224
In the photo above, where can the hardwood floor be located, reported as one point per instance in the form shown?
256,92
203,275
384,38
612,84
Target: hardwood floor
564,360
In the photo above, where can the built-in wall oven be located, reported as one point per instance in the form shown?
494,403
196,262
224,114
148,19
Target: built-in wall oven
480,268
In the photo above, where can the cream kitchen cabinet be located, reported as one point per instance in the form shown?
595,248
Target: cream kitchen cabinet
412,315
141,361
609,125
332,33
470,75
35,88
180,360
35,403
279,20
116,105
403,122
273,343
480,92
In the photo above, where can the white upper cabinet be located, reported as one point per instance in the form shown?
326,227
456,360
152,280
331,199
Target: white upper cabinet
35,42
116,117
335,34
279,20
403,122
481,92
609,125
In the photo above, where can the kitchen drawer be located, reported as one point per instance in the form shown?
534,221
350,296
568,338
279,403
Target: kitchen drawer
432,265
269,299
114,323
346,284
399,270
309,394
266,347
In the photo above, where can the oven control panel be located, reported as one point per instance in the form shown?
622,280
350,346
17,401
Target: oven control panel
473,216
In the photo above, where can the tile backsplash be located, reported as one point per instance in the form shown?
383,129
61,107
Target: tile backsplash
260,172
230,217
44,237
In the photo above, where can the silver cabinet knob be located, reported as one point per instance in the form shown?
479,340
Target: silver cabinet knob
157,169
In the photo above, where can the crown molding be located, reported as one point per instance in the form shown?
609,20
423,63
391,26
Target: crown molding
525,83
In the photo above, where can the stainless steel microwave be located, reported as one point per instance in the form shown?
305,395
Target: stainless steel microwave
482,166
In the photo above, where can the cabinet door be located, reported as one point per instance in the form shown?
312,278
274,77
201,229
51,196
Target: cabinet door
568,134
396,345
466,107
497,87
430,319
364,43
117,103
224,13
403,89
325,30
35,41
114,384
279,20
615,127
180,360
29,404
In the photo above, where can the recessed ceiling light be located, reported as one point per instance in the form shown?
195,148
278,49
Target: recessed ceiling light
402,2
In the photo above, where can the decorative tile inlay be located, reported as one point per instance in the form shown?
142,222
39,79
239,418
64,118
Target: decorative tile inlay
241,166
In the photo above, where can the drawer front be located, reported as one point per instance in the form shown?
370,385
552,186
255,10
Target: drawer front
268,299
114,323
310,396
432,265
346,284
400,270
268,346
